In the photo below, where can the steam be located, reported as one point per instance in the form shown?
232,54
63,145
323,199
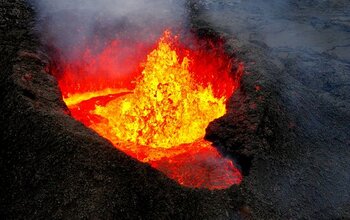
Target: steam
71,25
99,41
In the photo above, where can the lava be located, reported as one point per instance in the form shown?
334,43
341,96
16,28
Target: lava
158,112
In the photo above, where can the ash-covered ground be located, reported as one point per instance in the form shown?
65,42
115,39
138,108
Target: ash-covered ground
287,127
298,54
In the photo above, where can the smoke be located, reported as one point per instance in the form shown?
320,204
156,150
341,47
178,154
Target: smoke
71,26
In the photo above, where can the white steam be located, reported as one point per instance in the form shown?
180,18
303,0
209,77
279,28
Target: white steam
67,24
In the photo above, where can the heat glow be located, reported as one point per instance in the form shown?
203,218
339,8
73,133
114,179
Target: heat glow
158,114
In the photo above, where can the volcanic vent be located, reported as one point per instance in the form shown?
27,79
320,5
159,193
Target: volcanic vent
158,112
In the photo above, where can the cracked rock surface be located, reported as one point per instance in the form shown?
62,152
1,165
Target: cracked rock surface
297,55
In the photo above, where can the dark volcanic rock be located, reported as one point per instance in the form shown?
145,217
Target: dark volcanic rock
287,126
54,167
295,125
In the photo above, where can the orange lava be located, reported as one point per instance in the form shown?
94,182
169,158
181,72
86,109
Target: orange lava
158,112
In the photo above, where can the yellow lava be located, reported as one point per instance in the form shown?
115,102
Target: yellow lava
77,98
166,109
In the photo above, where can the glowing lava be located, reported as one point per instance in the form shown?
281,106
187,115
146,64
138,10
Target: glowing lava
162,119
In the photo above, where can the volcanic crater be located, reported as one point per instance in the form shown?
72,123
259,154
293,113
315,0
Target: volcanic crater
221,136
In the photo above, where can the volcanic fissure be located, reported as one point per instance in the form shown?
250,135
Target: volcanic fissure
158,112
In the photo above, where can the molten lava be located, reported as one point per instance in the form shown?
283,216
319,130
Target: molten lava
162,117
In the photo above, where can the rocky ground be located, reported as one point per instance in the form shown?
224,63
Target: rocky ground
298,53
54,167
287,127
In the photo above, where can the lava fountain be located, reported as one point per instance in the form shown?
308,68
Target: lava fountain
158,112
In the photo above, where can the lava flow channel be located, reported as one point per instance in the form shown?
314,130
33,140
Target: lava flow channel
161,119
